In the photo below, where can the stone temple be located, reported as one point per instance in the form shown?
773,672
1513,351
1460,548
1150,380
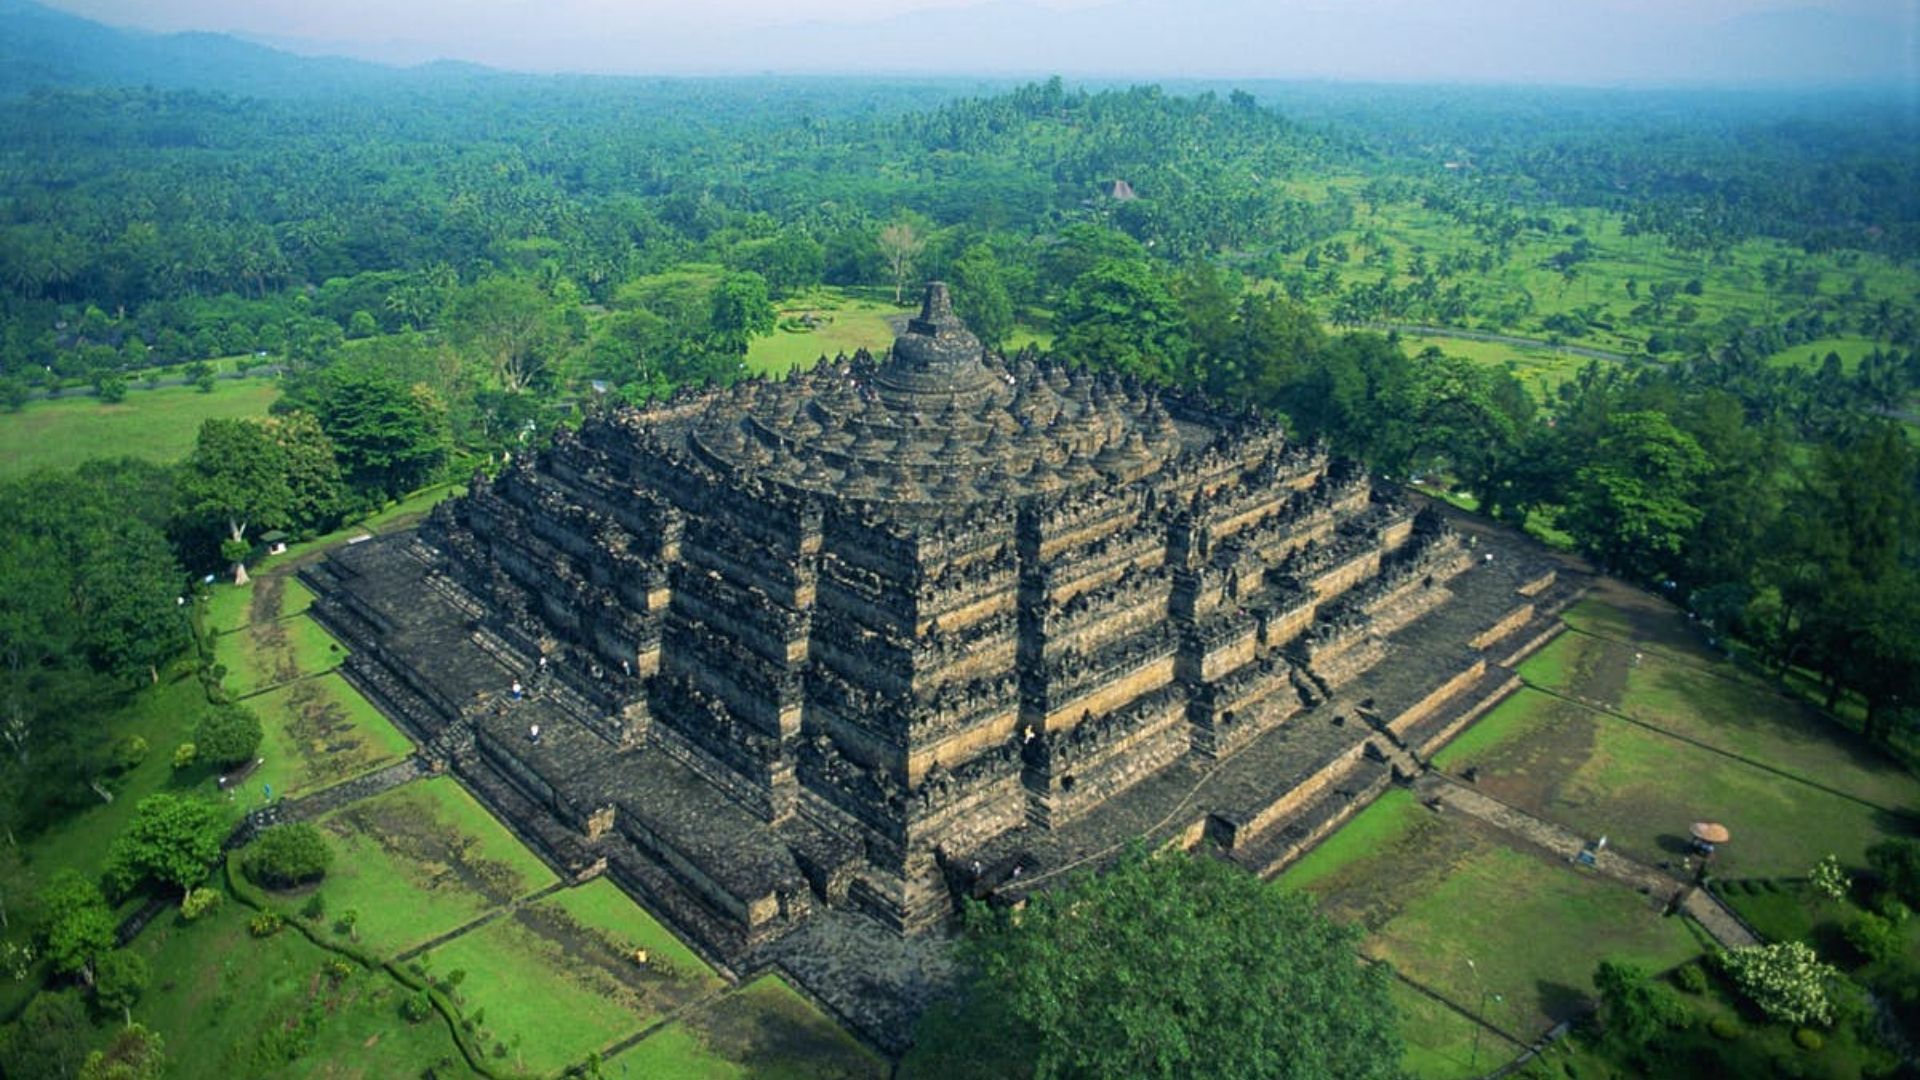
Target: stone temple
838,649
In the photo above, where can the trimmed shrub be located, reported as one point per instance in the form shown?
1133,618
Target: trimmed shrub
288,855
185,755
1808,1039
1690,978
265,924
1874,938
416,1007
227,735
128,752
1724,1027
315,908
199,903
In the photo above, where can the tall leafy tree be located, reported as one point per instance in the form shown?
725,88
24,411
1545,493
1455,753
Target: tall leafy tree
1635,501
980,295
1120,314
172,840
234,477
1165,965
389,437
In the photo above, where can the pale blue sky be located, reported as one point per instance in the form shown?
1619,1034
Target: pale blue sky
1481,40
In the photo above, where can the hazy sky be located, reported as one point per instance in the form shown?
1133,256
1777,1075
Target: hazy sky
1528,40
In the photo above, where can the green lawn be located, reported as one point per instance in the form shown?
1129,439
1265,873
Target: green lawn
1745,717
1441,1043
267,654
230,1004
556,980
763,1030
318,732
1433,891
1600,775
421,860
158,424
226,608
1386,824
1534,929
1814,353
846,325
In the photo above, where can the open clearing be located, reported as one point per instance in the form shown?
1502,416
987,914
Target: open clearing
268,654
1435,891
159,424
419,861
230,1004
844,325
318,732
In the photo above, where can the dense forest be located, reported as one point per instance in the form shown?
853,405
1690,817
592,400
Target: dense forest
439,270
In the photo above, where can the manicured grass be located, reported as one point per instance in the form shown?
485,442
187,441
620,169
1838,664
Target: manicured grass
1441,1042
230,1004
556,980
295,598
226,607
272,653
600,905
421,860
1383,825
318,732
1534,929
158,424
1433,890
1745,717
1600,775
846,325
764,1029
1515,718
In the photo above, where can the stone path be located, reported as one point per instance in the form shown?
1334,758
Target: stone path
308,807
1725,929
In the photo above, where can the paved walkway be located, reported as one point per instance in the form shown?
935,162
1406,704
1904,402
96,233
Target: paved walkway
1717,920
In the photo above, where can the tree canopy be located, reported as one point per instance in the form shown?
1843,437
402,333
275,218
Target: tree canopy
1164,965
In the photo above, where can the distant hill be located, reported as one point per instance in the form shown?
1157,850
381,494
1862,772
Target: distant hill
41,47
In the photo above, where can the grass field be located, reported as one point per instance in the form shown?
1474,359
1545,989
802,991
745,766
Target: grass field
1540,370
846,324
421,860
267,654
230,1004
1436,891
556,980
318,732
1441,1043
1534,929
158,424
1603,776
1698,738
763,1030
1814,353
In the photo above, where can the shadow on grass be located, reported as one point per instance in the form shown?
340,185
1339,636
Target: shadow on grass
1561,1002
